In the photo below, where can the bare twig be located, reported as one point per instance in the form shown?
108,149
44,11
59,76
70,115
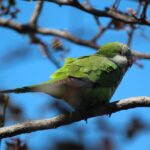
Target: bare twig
97,21
145,6
130,35
64,119
116,4
3,112
44,49
141,55
102,30
36,13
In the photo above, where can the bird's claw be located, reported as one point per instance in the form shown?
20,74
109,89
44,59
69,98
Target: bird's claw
109,114
86,120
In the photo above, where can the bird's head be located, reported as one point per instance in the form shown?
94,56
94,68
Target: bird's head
117,52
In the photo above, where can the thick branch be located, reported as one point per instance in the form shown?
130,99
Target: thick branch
65,119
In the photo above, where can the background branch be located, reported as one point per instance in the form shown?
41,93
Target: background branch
44,48
108,13
27,29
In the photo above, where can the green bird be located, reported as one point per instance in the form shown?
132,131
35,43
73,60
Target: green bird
89,80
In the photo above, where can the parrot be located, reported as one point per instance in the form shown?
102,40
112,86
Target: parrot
86,81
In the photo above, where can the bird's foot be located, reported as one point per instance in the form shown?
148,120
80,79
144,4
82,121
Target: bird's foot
80,112
84,114
109,114
86,120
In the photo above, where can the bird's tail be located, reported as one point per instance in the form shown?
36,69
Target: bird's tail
25,89
18,90
48,88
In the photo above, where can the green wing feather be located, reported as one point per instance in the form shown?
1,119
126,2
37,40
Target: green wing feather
94,68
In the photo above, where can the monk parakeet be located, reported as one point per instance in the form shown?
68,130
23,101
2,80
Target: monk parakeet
89,80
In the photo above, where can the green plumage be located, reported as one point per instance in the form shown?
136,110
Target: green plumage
92,67
83,82
99,75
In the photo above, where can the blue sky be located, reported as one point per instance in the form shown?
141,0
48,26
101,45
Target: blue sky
36,68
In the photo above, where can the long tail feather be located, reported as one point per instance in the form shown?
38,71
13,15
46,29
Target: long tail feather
48,88
18,90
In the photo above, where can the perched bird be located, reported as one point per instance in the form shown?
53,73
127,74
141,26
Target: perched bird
89,80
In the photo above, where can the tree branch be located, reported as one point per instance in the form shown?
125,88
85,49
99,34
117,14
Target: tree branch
101,31
130,35
44,49
65,119
36,13
141,55
109,13
27,28
145,6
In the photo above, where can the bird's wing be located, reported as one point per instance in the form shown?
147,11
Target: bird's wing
87,70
